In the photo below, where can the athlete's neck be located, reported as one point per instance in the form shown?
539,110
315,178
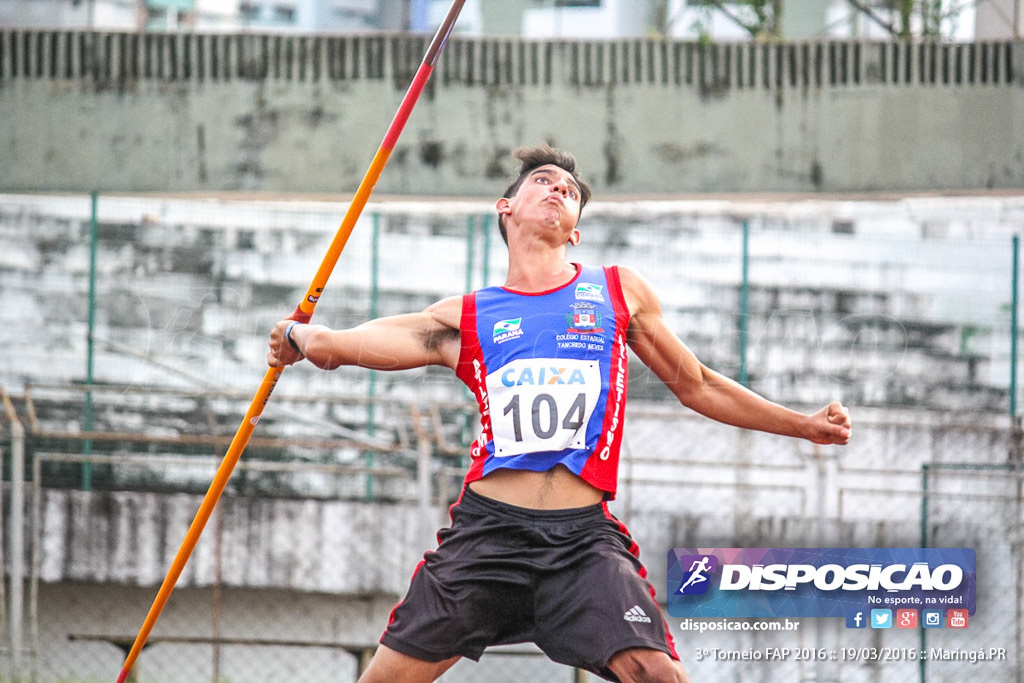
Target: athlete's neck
535,277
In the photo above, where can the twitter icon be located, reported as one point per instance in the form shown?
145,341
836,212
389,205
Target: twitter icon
881,618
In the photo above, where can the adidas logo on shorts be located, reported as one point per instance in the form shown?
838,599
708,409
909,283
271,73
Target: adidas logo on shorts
637,614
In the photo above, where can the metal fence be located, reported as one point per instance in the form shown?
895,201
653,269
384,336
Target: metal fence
884,303
122,58
303,585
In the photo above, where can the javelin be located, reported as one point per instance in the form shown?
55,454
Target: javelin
303,313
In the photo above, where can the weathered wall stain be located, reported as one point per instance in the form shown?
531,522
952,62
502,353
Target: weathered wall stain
279,113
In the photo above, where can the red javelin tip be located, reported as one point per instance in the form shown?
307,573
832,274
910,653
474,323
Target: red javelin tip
124,675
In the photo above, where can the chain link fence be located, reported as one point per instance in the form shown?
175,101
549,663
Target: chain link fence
113,427
303,585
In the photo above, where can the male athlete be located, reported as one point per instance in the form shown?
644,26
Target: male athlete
533,555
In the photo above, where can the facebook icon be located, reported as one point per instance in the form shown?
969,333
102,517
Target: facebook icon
856,619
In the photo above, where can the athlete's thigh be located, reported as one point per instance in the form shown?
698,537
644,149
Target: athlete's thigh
600,607
390,666
453,614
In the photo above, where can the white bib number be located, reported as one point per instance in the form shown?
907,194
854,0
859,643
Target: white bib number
542,404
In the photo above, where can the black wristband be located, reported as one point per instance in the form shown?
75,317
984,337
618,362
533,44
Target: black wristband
288,336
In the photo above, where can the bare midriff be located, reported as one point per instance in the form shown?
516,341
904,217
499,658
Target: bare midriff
556,489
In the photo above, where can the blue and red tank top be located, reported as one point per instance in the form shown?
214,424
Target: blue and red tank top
549,373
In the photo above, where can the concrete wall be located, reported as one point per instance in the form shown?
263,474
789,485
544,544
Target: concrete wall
114,111
131,538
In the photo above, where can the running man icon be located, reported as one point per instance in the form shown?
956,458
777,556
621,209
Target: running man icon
698,570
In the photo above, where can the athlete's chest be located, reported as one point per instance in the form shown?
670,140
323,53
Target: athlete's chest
577,321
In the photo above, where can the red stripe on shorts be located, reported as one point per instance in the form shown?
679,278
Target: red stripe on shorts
634,550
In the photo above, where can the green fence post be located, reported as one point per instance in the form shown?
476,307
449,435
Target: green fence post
90,342
1015,302
485,266
922,666
371,391
744,304
470,249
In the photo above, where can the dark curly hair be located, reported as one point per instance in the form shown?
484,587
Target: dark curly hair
534,157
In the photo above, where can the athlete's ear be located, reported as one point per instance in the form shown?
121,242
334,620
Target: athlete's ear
574,238
503,206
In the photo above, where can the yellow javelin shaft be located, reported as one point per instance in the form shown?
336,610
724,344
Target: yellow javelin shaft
304,312
213,494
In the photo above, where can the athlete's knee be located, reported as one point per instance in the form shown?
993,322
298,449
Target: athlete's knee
642,665
391,666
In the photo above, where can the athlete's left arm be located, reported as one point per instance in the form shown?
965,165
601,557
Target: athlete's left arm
711,393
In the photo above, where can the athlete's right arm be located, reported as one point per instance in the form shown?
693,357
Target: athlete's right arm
400,342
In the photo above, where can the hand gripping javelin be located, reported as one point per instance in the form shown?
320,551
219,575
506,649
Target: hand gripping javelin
303,313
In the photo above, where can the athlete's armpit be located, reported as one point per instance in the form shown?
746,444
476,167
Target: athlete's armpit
436,339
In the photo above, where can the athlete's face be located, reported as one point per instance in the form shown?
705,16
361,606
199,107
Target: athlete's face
549,197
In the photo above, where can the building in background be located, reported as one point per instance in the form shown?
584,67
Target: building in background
745,19
1000,20
323,15
216,15
588,19
714,20
122,15
817,19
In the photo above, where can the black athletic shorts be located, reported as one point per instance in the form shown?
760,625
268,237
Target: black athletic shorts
568,580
